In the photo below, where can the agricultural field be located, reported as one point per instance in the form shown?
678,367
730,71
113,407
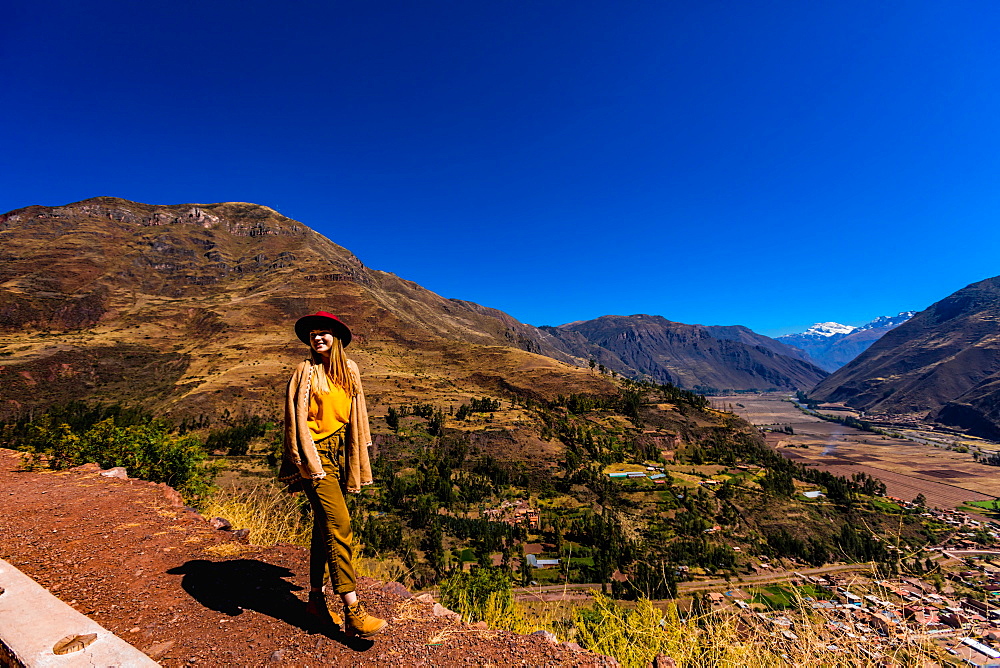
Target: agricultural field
990,509
782,596
948,478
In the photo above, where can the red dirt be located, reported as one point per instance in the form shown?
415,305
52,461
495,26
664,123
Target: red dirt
127,554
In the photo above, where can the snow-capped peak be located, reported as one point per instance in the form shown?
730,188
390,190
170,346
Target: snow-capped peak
828,329
889,321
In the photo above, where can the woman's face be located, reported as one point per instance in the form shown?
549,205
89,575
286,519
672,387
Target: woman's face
321,340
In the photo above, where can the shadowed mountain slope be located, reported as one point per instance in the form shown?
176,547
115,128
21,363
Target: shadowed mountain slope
752,338
690,356
188,309
945,361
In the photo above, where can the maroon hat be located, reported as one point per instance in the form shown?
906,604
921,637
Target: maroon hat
322,320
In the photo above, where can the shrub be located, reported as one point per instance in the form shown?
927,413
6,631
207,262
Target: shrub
392,419
147,450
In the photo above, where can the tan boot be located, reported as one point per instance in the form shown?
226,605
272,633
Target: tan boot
359,622
316,607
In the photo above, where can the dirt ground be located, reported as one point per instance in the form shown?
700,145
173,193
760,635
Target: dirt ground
946,477
129,555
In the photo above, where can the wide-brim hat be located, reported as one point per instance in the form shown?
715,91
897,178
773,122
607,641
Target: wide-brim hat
322,320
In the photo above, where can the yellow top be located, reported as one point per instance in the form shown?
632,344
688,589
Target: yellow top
328,412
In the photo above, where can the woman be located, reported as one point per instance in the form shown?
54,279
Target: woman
326,453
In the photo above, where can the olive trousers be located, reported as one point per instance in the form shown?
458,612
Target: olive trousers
331,546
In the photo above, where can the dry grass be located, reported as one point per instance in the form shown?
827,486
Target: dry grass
384,569
731,638
272,515
635,634
442,636
410,610
728,639
227,550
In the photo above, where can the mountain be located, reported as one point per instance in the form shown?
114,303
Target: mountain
826,330
752,338
831,345
944,362
887,322
188,310
691,356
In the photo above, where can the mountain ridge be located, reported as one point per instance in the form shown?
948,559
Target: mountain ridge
190,308
152,301
697,357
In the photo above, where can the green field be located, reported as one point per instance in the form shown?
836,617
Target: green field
989,508
987,505
779,597
884,506
775,597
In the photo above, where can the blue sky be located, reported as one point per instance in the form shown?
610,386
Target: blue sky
770,164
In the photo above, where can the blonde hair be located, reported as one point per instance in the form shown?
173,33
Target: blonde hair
339,374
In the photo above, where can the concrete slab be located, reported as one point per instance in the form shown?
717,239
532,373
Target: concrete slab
34,625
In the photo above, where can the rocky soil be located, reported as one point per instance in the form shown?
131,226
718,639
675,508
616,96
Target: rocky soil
128,554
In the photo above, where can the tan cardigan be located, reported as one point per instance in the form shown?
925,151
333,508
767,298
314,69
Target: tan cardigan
301,460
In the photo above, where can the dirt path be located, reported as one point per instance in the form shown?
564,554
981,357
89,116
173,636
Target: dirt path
768,578
127,554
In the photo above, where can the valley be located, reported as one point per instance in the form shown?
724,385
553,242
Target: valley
575,457
947,477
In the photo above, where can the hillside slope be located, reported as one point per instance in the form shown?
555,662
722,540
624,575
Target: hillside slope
690,356
188,310
943,362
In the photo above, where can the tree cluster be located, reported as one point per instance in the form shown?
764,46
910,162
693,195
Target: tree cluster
235,439
73,434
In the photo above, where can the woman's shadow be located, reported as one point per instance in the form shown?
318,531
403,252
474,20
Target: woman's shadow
232,586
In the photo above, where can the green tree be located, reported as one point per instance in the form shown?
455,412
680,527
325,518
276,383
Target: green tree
525,569
235,440
392,419
147,450
433,546
435,425
778,483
